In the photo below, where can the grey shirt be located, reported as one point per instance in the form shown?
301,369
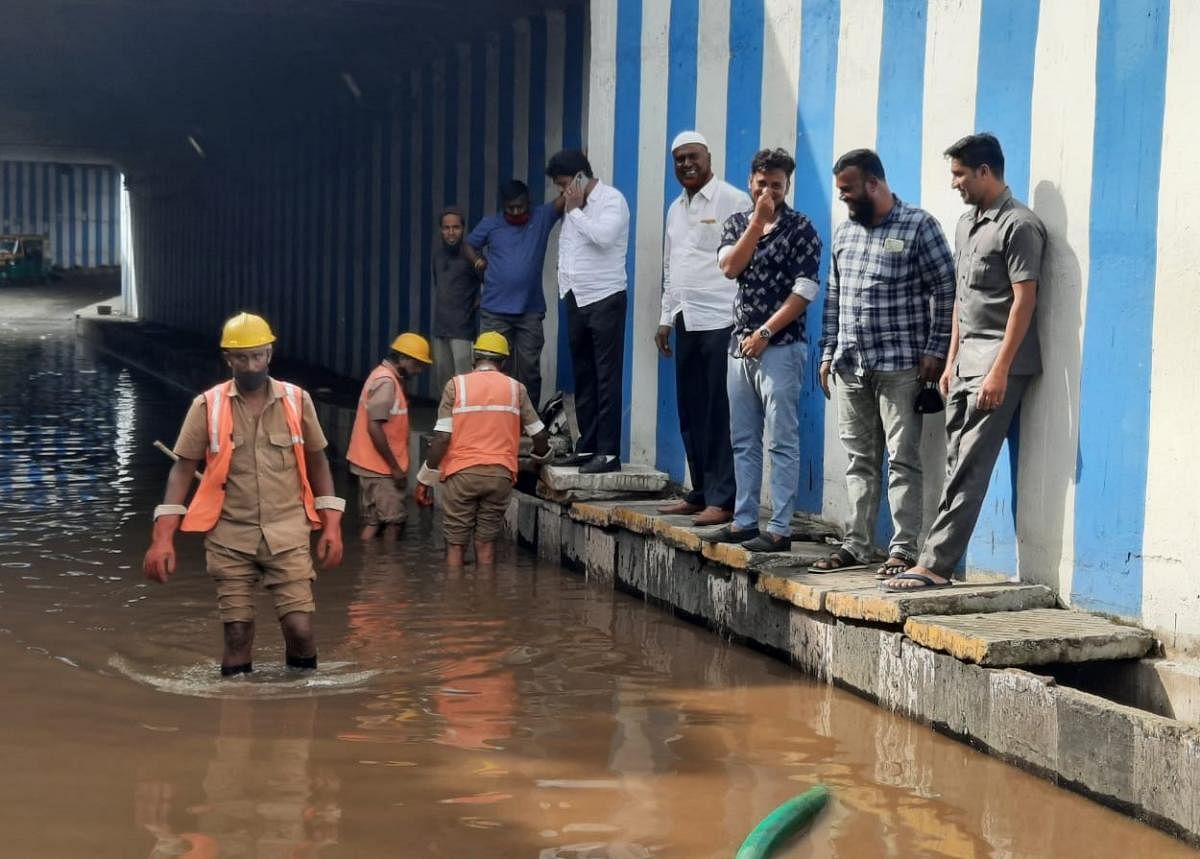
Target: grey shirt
456,286
995,248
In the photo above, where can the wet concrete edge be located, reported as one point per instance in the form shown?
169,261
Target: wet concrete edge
1141,764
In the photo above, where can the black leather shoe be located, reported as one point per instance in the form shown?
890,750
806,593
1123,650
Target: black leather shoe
575,459
729,534
768,543
600,464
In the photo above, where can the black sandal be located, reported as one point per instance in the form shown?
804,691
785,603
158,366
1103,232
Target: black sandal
888,570
840,561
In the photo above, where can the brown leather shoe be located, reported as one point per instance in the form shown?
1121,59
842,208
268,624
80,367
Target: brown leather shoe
713,516
680,508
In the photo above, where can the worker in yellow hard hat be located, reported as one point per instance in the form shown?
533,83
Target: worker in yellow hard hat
378,453
475,442
266,487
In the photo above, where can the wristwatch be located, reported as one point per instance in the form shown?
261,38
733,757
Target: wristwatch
764,333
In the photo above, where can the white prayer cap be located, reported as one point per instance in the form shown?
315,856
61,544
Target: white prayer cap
683,138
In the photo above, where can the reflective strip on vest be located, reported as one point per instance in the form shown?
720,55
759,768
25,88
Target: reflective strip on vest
290,391
514,408
214,421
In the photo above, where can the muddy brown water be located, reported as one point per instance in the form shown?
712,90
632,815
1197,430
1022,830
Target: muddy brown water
521,713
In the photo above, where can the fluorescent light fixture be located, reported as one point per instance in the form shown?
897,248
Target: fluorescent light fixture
196,145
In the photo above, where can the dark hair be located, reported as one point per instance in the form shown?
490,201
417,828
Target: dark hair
975,150
451,210
772,159
568,162
513,189
864,159
394,356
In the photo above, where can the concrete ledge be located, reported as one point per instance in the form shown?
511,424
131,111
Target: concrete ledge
873,604
1137,762
1035,637
631,478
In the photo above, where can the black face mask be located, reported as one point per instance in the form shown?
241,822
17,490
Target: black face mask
247,381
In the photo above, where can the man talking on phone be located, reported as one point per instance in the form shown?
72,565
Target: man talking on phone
591,283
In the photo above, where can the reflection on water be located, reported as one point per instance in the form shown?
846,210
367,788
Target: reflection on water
518,713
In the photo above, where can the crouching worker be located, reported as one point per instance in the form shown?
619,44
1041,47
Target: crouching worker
266,486
378,452
474,451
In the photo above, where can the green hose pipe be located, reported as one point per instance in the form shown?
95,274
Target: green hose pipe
776,827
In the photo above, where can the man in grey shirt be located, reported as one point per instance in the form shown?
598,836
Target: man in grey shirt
456,290
994,349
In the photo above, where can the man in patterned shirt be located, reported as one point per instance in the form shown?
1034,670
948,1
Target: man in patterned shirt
884,334
774,253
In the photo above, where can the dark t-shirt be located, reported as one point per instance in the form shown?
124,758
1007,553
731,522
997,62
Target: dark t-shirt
456,287
789,252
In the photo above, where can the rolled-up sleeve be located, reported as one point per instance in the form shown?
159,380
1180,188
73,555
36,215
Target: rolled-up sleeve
445,412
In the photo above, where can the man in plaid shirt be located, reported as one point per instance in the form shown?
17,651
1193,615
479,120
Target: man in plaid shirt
884,335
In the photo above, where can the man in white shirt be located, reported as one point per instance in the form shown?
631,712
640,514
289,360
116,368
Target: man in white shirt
591,283
698,303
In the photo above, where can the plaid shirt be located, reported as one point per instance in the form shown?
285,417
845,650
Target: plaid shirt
785,262
891,293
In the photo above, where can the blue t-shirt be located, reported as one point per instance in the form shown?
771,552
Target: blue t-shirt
512,281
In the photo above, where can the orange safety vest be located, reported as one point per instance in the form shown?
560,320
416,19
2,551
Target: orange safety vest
362,450
205,509
486,427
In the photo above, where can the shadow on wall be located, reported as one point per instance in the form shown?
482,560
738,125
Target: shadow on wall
1050,414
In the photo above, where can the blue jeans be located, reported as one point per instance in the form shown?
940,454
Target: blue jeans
765,393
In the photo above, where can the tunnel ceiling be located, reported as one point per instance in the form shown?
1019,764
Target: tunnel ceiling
128,80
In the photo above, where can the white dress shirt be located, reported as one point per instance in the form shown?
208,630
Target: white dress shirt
692,281
591,249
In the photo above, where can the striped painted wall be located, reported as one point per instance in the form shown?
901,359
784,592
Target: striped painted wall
329,231
76,205
1091,101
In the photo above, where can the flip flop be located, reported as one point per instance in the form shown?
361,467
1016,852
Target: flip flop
890,571
929,584
845,563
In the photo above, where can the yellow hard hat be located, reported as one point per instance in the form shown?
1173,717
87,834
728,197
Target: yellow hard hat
492,342
246,331
414,346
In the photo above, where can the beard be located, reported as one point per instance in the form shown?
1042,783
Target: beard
451,249
863,211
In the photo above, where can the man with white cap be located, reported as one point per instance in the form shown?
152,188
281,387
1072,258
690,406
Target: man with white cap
697,302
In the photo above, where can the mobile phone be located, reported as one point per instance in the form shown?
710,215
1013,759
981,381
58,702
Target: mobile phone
580,181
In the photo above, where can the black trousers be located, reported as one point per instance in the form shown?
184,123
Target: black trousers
703,402
597,337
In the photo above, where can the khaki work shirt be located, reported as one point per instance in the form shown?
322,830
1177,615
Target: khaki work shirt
995,248
262,492
531,422
381,396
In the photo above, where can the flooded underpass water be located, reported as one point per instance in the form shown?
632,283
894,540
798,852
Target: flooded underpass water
521,713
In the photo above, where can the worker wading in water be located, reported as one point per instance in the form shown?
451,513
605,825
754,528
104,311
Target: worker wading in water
378,453
266,486
474,451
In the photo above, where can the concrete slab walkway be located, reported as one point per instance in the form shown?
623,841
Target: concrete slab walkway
1035,637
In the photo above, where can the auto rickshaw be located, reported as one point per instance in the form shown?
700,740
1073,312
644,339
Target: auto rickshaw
23,259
